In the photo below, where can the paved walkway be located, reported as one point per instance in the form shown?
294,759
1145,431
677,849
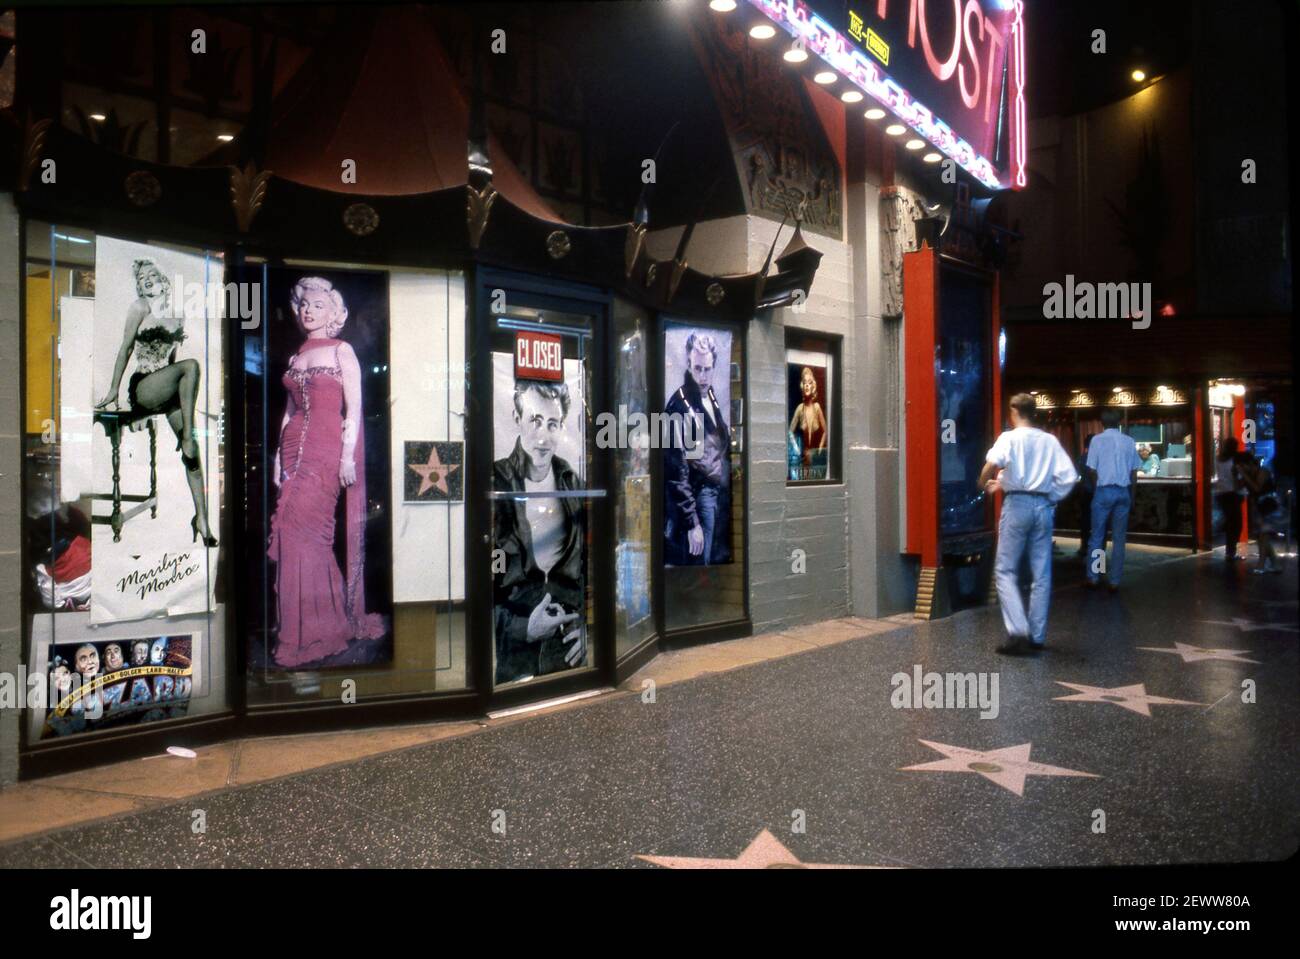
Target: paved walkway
790,750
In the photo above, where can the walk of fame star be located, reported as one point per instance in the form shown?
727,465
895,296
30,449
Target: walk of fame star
433,474
1008,766
1133,698
1192,654
765,852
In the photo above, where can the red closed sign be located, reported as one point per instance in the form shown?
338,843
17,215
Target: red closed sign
538,356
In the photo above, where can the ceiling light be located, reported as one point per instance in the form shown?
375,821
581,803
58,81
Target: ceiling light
722,6
1138,75
1117,389
825,77
762,31
875,113
851,96
932,157
98,117
914,144
225,137
895,129
795,55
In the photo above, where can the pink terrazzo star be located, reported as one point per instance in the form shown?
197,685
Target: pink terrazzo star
765,852
1192,654
1133,698
1007,766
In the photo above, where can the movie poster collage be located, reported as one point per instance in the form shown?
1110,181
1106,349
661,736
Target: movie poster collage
124,516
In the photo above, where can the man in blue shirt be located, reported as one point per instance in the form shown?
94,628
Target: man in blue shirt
1113,464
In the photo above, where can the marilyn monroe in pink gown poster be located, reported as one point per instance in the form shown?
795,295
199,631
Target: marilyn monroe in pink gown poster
323,618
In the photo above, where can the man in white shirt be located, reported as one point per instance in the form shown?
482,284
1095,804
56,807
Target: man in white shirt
1114,462
1035,474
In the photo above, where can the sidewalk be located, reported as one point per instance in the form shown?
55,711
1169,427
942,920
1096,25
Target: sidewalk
746,738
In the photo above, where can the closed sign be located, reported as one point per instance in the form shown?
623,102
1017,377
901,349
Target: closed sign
538,356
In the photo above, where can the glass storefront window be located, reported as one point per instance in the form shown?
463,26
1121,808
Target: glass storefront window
634,622
354,399
543,451
704,476
126,481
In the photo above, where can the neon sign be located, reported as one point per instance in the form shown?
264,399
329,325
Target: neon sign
959,73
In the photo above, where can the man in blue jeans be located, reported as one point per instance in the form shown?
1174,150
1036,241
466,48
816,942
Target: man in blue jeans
1113,462
1035,474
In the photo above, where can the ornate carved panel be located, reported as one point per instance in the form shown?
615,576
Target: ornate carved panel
781,153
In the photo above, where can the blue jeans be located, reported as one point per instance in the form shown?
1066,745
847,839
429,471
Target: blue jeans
706,508
1110,504
1026,525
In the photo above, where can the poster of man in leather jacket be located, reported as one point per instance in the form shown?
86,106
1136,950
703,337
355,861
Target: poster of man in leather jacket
697,462
539,540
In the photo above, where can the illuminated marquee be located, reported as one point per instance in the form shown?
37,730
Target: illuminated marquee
857,66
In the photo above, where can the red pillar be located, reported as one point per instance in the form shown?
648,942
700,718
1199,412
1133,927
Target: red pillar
920,322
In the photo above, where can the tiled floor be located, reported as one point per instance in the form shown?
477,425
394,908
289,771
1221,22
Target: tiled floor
746,742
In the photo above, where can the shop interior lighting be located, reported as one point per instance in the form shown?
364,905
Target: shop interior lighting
851,96
875,113
762,31
895,129
932,157
825,77
795,55
914,144
722,6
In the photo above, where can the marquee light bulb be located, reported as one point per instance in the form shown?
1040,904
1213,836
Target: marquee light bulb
895,129
914,144
875,113
825,77
851,96
762,31
722,6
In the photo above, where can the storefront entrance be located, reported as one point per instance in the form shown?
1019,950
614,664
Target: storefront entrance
545,556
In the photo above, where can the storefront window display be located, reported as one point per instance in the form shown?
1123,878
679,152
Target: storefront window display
353,396
1160,422
812,397
125,477
634,622
703,470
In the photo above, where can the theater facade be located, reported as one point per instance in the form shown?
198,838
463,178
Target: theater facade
379,364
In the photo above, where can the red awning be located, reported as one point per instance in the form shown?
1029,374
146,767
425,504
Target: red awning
404,120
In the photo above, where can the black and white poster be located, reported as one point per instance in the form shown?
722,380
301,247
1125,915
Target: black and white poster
155,374
539,535
697,462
